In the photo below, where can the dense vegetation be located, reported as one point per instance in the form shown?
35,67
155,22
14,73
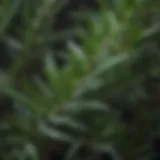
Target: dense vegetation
79,80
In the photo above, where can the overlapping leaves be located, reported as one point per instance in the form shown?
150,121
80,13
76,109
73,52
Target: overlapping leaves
70,104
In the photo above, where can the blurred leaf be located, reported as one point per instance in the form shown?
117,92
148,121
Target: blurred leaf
10,9
82,105
54,133
66,121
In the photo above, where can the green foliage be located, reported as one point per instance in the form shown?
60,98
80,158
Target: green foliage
75,104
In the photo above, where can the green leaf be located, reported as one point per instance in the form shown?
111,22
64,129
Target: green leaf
54,133
67,121
82,105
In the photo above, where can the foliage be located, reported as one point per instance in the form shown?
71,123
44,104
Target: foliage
88,101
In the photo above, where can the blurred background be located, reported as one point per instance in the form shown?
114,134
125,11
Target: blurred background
79,80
